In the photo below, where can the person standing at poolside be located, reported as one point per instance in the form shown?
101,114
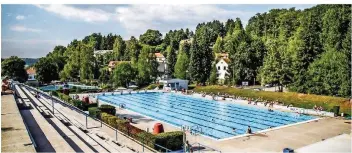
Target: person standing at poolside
249,130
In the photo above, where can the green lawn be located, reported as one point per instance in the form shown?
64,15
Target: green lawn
296,99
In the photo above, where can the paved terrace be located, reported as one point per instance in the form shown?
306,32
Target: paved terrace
294,137
14,135
63,130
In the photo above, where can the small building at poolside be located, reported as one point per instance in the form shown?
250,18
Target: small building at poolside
173,84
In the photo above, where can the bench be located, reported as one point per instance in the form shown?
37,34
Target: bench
28,105
63,120
40,110
46,113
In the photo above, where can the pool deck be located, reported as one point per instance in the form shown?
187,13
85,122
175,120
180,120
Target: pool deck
275,140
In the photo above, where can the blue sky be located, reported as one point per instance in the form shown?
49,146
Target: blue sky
32,31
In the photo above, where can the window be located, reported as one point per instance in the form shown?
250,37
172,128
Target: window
224,67
218,67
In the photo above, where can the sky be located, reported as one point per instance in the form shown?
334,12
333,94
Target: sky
32,31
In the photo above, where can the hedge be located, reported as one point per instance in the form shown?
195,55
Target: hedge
94,112
54,93
296,99
153,86
77,103
108,109
171,140
86,106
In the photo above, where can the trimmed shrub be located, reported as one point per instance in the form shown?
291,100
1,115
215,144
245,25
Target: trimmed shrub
112,121
66,98
77,103
146,138
104,117
122,125
94,112
78,90
108,109
170,140
54,93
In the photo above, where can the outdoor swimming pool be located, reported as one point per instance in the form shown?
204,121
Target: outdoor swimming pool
216,119
57,87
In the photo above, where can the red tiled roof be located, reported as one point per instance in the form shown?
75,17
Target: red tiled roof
159,55
114,63
31,70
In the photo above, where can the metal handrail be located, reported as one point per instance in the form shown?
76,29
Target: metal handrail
82,112
199,144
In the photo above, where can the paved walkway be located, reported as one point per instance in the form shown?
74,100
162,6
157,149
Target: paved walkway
14,135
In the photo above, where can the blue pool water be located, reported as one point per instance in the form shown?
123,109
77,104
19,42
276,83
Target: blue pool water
57,87
216,119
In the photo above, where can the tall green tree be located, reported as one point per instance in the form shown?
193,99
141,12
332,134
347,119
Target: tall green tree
329,75
46,70
123,74
201,55
213,75
13,67
218,46
276,68
171,60
304,47
133,49
240,53
147,66
119,48
151,37
182,64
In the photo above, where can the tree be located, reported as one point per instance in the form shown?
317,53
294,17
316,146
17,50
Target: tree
104,75
276,68
330,75
229,26
123,74
171,60
132,50
335,25
201,55
119,48
147,66
13,67
218,46
304,47
240,54
213,75
151,37
182,63
46,70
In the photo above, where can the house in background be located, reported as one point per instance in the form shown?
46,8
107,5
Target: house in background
31,76
113,64
222,66
162,68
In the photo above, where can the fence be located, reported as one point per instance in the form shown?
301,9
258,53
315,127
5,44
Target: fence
143,145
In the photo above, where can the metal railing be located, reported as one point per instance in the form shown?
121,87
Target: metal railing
144,146
207,148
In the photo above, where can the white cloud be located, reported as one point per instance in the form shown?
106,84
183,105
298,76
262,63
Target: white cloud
20,28
138,18
20,17
69,12
37,41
